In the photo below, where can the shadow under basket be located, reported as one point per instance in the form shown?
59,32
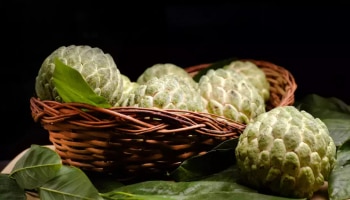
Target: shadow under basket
128,142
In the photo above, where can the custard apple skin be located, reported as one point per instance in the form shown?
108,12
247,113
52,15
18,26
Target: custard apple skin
128,91
254,74
286,152
96,67
229,94
167,92
161,69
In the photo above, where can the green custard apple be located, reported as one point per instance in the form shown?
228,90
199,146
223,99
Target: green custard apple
286,152
167,92
254,74
128,92
96,67
161,69
228,93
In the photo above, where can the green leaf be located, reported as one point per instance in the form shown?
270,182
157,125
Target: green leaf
104,182
124,195
215,160
9,189
37,165
332,111
72,87
204,196
214,66
339,180
219,186
339,130
324,108
70,183
235,195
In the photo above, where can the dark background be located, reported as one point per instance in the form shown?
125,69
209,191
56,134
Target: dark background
311,41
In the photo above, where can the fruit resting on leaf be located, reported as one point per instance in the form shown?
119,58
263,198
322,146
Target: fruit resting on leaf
96,67
285,152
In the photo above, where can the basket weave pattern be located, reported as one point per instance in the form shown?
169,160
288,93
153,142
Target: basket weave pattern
128,140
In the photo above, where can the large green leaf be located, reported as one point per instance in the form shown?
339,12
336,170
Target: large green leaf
72,87
37,165
9,189
339,129
339,181
215,160
124,195
104,182
219,186
219,195
324,108
332,111
70,183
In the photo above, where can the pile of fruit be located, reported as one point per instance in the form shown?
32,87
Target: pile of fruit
237,91
285,151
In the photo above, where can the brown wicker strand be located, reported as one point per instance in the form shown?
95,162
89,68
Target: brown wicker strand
165,115
57,111
165,131
140,130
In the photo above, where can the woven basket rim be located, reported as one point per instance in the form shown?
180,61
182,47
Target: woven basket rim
104,139
124,113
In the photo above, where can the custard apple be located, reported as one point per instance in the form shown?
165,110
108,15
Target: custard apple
254,74
128,91
286,152
167,92
228,93
96,67
161,69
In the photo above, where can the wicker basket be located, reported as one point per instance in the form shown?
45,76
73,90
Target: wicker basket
127,141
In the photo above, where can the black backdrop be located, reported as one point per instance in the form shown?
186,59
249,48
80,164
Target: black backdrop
309,40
